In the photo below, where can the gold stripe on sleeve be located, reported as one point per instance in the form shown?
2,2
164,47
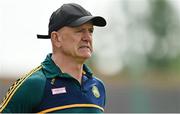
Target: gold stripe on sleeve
14,88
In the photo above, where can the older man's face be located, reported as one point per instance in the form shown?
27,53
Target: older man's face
77,41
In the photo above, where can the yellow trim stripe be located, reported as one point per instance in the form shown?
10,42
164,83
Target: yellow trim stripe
14,88
83,72
70,106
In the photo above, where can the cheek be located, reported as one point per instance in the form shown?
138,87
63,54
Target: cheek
91,42
71,44
68,40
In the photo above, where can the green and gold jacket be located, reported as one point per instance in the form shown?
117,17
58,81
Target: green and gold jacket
46,89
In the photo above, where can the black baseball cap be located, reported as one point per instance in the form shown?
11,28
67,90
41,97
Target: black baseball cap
72,15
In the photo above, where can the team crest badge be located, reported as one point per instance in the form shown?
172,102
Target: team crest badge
95,92
53,81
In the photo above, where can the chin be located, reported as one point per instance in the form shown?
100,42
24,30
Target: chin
86,56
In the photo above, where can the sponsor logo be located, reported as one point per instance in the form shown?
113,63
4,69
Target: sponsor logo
58,90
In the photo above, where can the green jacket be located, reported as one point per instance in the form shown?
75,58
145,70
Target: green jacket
47,89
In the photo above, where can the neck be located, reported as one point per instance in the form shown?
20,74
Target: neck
69,66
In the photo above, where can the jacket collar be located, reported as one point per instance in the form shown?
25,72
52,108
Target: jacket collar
51,70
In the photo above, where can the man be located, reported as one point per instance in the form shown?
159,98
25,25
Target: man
62,83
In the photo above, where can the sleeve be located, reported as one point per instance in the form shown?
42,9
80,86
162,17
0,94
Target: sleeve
103,90
23,95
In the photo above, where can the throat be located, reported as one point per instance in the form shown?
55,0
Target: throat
70,67
77,76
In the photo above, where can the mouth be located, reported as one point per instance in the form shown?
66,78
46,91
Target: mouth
85,47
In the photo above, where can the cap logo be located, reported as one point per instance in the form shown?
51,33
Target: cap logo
95,92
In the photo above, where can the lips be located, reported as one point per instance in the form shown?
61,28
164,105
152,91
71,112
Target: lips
85,46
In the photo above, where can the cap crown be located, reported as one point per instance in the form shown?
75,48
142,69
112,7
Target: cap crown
65,15
71,14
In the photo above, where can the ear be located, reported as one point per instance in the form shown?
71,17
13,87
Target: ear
56,39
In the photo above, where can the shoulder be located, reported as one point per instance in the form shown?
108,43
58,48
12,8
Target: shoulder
21,93
99,83
34,77
98,80
32,83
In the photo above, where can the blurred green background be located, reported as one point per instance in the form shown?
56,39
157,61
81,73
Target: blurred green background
137,56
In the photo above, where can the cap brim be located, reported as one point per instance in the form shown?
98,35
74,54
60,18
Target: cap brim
43,36
96,20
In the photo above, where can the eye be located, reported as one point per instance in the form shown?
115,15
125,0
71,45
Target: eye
91,30
79,30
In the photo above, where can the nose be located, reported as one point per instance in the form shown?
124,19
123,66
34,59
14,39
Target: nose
87,35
